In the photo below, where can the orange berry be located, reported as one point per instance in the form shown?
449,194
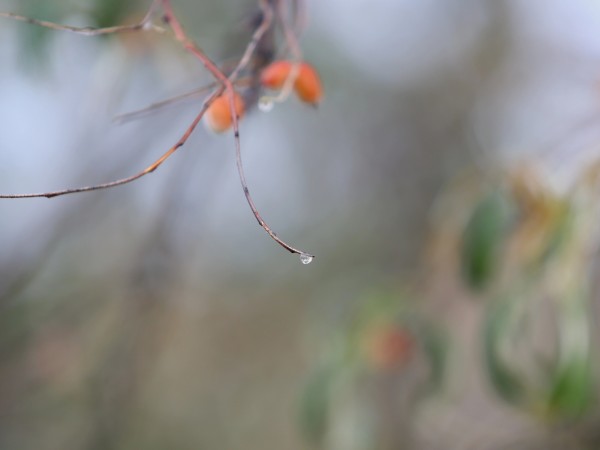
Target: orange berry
307,85
275,74
389,346
217,117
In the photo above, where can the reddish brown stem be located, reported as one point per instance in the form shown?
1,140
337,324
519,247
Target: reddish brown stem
226,86
180,35
151,168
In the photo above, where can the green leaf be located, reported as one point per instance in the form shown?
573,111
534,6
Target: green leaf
314,405
482,239
435,347
572,390
497,327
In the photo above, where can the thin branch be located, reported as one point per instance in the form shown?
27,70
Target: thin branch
250,49
144,24
261,30
267,20
261,222
132,115
294,47
288,31
190,46
138,113
299,16
151,168
226,86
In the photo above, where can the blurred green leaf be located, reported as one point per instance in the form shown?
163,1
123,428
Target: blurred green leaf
435,346
572,389
482,239
314,404
497,327
34,39
566,388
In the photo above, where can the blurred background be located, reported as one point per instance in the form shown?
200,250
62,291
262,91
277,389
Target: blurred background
447,184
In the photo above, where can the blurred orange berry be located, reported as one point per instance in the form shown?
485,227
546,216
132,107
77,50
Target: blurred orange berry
218,118
274,75
389,346
307,85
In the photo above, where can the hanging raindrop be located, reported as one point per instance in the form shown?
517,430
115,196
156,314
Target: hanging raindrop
305,258
265,104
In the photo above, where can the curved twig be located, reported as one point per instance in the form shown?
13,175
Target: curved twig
227,86
151,168
136,114
145,23
230,92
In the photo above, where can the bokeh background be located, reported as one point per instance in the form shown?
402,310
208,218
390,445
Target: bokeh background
448,184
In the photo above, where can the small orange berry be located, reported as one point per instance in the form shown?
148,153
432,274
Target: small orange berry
275,74
307,85
217,117
389,346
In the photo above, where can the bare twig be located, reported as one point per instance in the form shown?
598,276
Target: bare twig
228,88
138,113
294,47
266,23
144,24
132,115
151,168
226,82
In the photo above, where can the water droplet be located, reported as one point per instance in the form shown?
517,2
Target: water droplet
305,258
265,104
